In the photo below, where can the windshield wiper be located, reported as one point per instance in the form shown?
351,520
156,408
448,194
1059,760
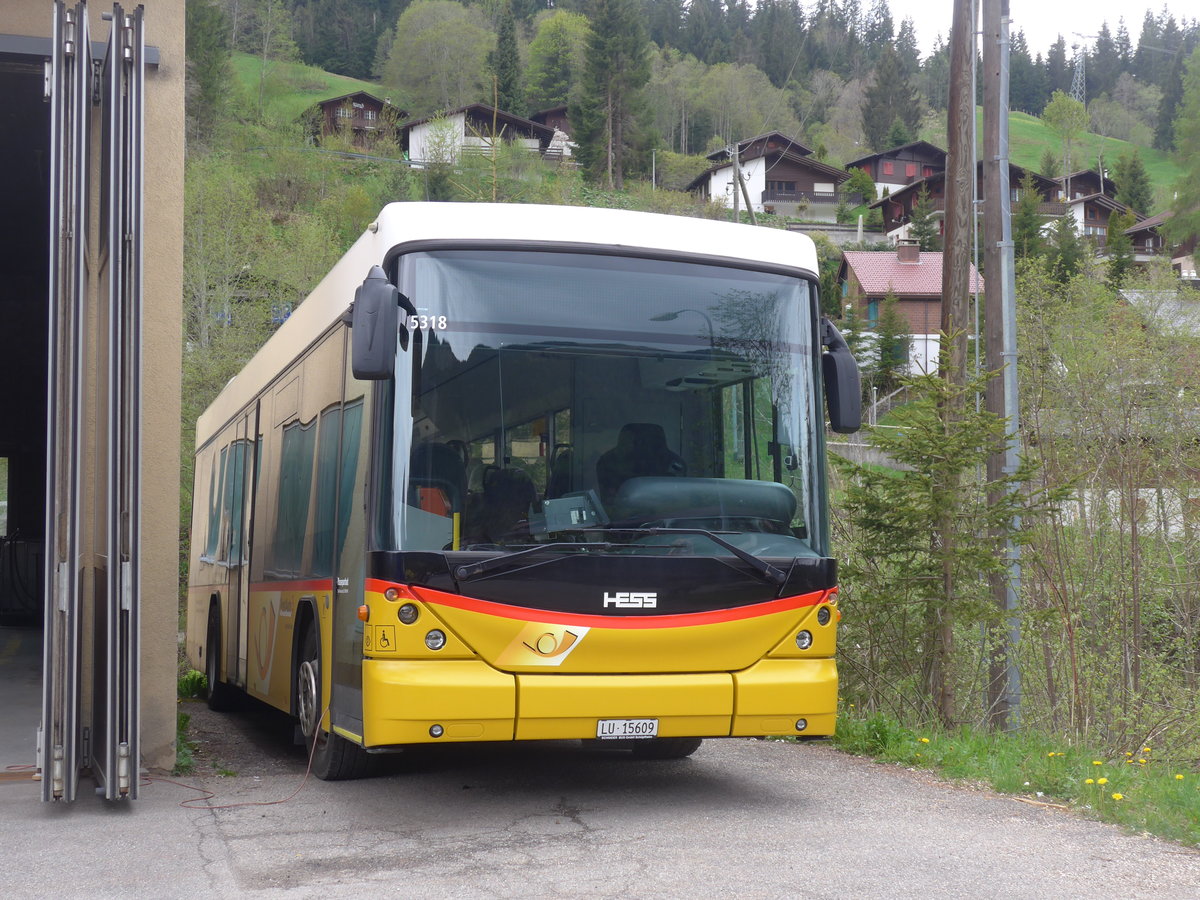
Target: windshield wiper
770,573
473,570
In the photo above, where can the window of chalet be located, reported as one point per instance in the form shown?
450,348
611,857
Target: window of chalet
910,169
889,168
927,171
781,186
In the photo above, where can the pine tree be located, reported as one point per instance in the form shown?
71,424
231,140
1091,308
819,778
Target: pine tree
891,344
616,70
1050,165
1027,221
898,135
209,65
922,227
889,95
1133,182
505,64
1168,107
1118,247
1185,224
1066,250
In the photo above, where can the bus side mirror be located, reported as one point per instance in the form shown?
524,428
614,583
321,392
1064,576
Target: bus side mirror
375,323
843,384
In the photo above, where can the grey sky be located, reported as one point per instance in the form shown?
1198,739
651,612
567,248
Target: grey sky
1041,20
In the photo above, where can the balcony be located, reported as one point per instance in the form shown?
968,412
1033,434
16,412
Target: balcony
812,197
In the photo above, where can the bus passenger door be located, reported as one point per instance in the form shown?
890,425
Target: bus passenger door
244,477
358,432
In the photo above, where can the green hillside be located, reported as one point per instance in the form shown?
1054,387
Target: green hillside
1029,138
290,88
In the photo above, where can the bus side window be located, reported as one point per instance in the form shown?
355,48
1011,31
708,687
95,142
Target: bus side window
295,491
216,489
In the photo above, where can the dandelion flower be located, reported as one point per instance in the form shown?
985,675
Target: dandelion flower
1129,753
924,740
1097,762
1142,761
1145,749
1101,781
1090,781
1052,753
1118,796
1179,778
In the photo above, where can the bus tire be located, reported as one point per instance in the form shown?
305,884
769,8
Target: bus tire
219,694
666,748
333,757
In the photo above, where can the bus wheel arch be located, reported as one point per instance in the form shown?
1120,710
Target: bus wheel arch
333,758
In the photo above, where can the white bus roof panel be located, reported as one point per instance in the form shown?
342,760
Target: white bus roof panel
404,223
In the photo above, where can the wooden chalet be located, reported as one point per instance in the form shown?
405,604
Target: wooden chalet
897,207
363,115
554,117
1091,201
781,176
901,166
1148,243
475,128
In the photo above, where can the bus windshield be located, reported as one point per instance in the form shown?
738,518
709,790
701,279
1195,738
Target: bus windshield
605,404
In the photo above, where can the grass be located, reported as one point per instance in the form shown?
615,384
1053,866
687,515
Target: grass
185,748
1143,789
292,87
1029,138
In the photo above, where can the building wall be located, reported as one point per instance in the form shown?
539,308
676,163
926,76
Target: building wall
720,184
421,137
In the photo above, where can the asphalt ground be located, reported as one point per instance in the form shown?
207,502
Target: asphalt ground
741,818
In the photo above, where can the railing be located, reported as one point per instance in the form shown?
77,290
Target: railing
777,196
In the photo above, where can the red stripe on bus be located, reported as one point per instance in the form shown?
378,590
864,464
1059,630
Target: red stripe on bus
320,584
527,614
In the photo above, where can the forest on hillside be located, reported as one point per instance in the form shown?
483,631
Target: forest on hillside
843,76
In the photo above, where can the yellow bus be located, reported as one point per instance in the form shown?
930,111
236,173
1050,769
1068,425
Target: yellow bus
515,472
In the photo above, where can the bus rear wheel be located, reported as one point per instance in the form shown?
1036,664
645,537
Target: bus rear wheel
666,748
219,693
333,757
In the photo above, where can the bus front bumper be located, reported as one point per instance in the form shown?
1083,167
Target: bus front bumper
412,702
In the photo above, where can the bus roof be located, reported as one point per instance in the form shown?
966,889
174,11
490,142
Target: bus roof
580,227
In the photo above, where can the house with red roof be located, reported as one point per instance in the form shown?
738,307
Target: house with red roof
914,276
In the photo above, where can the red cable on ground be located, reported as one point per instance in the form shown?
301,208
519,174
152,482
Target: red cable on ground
208,795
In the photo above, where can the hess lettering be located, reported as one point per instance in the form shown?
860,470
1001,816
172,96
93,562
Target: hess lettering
631,600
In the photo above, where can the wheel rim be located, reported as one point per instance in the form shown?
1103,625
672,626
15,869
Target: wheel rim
306,697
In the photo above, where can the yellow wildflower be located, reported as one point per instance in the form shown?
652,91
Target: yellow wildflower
1101,781
1090,781
924,740
1142,761
1129,753
1145,749
1179,778
1097,762
1118,796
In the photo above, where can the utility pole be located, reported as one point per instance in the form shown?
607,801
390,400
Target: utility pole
1004,679
737,180
956,308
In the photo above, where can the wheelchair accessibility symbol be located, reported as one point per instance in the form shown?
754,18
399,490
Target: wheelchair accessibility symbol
385,638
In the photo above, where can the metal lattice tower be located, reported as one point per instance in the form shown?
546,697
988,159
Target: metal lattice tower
1079,82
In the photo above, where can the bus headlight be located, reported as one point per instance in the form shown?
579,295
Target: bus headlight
407,613
435,639
804,640
823,615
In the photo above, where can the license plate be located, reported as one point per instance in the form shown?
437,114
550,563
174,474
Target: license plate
612,729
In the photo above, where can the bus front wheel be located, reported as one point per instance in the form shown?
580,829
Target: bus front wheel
333,757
